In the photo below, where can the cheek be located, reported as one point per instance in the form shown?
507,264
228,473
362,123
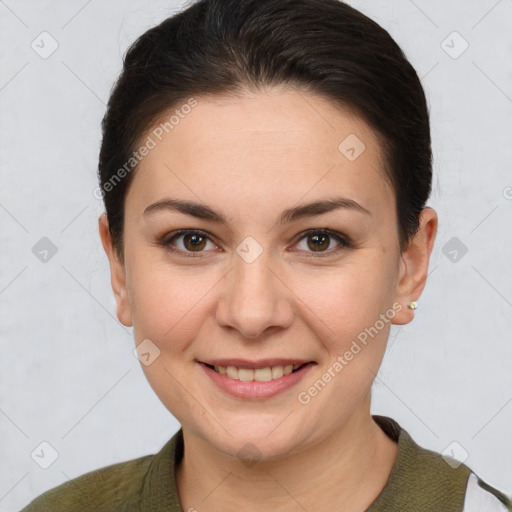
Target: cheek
349,312
168,302
348,299
169,305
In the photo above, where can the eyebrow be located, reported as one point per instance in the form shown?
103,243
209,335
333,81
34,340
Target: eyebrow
204,212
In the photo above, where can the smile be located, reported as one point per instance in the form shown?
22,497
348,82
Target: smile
255,380
258,374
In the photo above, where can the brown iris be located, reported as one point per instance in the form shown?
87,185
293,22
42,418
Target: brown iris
196,241
319,243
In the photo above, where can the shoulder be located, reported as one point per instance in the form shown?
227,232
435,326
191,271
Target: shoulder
481,496
422,475
455,482
146,483
422,479
117,485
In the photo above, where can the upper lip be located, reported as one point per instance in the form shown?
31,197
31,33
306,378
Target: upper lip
260,363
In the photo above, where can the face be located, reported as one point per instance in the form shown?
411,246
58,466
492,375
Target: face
259,281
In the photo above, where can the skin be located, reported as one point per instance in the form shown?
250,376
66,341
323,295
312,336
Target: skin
250,157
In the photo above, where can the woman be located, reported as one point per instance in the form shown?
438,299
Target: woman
265,167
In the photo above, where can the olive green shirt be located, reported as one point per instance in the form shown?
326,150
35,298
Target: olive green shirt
420,481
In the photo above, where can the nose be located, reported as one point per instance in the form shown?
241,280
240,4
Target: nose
255,299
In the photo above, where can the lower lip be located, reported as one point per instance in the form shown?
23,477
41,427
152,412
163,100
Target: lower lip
253,388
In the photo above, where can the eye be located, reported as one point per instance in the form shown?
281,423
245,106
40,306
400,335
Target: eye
319,241
192,241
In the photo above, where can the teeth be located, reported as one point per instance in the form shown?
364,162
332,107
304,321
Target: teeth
259,374
232,372
277,372
244,374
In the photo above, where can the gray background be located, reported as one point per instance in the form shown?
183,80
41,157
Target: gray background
67,372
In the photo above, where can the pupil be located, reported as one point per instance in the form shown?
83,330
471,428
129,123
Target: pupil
196,241
317,238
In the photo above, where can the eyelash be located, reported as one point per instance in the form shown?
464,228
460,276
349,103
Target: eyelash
344,242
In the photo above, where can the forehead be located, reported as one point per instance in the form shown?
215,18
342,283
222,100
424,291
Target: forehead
265,146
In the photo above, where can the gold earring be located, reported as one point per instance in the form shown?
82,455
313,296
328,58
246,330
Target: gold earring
413,305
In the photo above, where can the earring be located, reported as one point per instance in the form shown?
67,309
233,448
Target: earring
413,305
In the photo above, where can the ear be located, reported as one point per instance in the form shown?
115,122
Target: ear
413,266
117,273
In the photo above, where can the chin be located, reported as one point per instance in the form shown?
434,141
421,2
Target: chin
256,440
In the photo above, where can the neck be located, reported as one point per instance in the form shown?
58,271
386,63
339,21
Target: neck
350,468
